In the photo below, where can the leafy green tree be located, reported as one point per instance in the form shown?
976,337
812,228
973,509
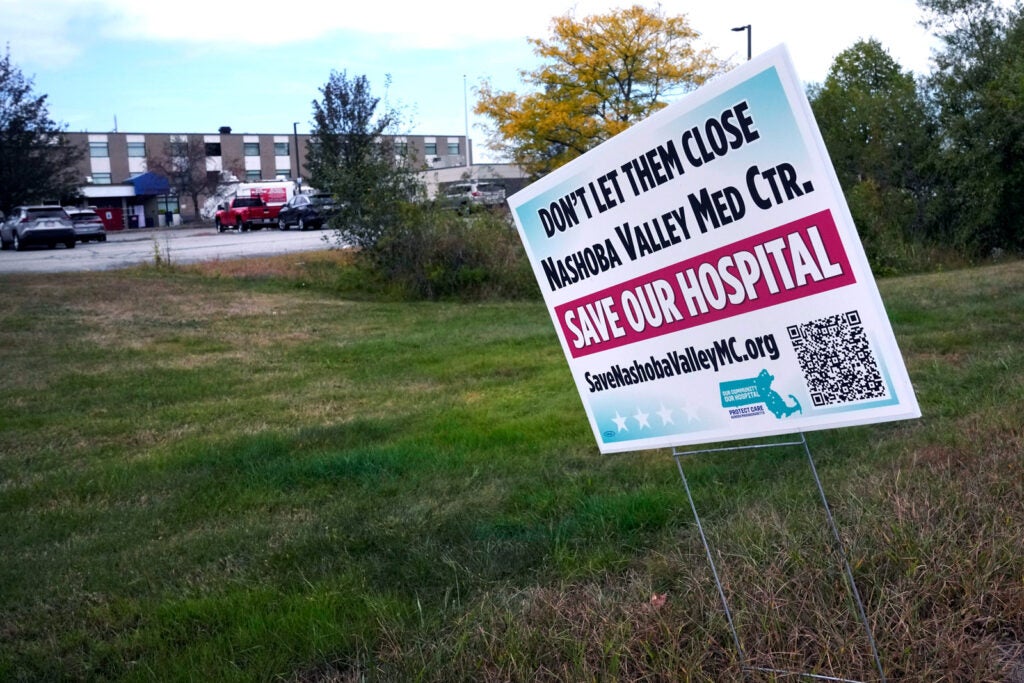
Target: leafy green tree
417,249
880,137
600,74
978,90
352,154
37,162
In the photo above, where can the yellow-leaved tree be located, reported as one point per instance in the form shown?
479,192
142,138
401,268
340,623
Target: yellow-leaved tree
599,75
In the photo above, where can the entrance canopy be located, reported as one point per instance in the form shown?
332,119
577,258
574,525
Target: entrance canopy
149,184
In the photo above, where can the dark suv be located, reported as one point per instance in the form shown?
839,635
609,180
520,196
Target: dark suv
28,225
307,211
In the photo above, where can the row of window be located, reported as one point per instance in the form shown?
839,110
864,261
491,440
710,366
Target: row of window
252,149
101,150
250,176
430,149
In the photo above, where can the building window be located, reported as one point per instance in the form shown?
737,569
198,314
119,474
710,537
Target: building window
281,149
137,149
402,149
252,176
252,149
430,149
178,149
101,178
285,173
168,202
453,148
98,150
212,149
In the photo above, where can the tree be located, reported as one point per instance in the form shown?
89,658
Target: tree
978,91
352,155
37,162
600,74
879,134
183,163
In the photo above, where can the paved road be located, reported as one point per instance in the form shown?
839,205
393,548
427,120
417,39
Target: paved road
181,245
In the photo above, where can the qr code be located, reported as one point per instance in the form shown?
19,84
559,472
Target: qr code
836,359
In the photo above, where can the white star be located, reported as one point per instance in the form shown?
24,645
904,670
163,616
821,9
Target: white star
666,415
691,412
641,417
620,421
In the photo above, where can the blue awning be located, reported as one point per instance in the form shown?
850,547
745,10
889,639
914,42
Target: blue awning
150,184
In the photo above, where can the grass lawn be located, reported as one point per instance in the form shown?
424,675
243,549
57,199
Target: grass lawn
235,473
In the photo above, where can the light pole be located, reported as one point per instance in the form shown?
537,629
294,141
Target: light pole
747,29
465,108
295,142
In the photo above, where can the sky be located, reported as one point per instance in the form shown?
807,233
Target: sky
192,66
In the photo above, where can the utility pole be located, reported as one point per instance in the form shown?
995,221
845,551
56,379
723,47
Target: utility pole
465,106
295,143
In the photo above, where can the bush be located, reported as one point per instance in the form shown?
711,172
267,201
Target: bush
434,253
884,219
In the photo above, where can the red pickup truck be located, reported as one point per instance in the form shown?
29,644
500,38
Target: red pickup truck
246,213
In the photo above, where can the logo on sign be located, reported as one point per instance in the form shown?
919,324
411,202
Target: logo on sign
738,395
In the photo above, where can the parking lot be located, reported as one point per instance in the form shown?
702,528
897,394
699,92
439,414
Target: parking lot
182,245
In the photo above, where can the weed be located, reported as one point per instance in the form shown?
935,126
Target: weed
161,257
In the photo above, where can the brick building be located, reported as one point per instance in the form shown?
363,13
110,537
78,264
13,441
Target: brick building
114,173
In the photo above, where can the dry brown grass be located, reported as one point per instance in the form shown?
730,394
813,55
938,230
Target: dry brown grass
285,266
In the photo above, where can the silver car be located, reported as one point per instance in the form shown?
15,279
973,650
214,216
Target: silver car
88,225
37,225
474,192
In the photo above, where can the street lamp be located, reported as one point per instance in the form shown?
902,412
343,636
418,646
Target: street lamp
295,142
465,108
747,29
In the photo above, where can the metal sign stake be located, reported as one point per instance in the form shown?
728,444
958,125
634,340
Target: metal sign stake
678,455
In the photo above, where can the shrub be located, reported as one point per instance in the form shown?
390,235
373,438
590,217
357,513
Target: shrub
433,253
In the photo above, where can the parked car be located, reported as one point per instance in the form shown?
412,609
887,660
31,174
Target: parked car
88,225
474,193
307,211
245,213
29,225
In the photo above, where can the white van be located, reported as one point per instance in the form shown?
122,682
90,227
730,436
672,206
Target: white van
481,192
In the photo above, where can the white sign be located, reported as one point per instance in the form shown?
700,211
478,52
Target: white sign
705,278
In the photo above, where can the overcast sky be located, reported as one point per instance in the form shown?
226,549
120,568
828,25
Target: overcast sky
191,66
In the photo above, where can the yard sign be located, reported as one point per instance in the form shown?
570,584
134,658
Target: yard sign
705,278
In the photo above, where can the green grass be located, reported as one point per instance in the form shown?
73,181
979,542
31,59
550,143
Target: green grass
234,473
